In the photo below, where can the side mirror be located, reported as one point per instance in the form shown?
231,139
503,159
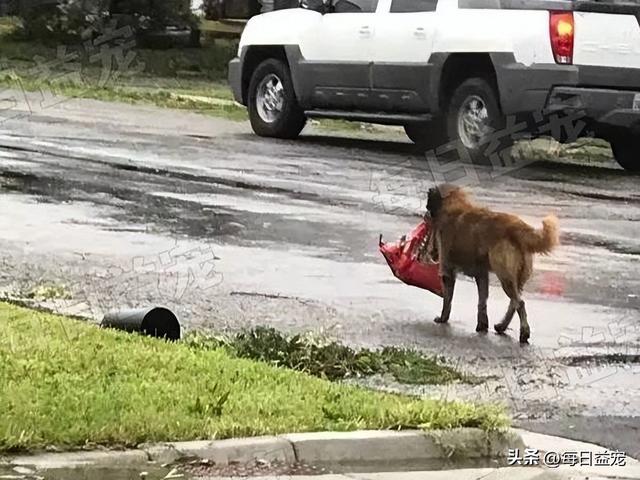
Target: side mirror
316,5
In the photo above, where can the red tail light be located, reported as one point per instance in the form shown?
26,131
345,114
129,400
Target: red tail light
562,32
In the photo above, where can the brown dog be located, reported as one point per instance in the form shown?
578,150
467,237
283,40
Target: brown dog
475,241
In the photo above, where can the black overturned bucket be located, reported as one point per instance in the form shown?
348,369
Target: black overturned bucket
156,322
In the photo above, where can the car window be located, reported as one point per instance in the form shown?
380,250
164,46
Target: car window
405,6
355,6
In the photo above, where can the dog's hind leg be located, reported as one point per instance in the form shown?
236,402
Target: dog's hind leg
525,330
448,283
505,260
482,282
516,304
525,272
526,269
511,290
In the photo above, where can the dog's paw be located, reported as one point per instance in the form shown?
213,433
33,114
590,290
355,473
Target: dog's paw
499,328
483,323
441,320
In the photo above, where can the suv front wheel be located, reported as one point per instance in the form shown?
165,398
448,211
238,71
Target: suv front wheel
273,107
474,118
626,150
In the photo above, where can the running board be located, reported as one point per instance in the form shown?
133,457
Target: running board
380,118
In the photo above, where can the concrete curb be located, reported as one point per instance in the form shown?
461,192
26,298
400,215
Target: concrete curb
321,447
106,458
513,473
548,443
401,446
358,448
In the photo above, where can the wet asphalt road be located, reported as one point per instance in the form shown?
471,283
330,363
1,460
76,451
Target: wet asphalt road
135,205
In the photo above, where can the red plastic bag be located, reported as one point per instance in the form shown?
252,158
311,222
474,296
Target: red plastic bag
402,258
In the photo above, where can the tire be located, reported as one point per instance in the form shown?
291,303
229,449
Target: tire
476,99
626,151
427,136
273,107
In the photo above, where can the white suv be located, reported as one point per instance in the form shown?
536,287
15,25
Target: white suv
464,71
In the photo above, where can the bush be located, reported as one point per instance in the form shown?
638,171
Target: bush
73,20
61,20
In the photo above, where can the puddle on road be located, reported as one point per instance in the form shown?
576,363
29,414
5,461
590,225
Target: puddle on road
198,207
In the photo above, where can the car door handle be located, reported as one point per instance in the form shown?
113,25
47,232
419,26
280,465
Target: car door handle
420,32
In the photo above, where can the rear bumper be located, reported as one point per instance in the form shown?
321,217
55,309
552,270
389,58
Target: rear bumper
235,79
615,108
602,95
525,89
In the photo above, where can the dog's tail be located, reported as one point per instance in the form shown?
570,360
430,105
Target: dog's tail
544,240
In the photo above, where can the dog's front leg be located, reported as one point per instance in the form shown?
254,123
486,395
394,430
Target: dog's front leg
482,282
448,284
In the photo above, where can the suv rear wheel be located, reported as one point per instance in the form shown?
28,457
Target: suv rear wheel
626,150
473,116
273,107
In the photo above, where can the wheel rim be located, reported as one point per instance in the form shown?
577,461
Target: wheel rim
473,122
270,98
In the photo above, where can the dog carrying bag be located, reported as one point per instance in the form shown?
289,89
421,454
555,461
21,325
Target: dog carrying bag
403,259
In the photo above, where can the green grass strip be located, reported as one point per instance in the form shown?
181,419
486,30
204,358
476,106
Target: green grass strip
69,384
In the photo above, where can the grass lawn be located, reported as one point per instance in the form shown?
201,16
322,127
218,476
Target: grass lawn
186,78
68,384
193,79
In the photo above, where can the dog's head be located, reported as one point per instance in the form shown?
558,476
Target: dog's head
438,195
